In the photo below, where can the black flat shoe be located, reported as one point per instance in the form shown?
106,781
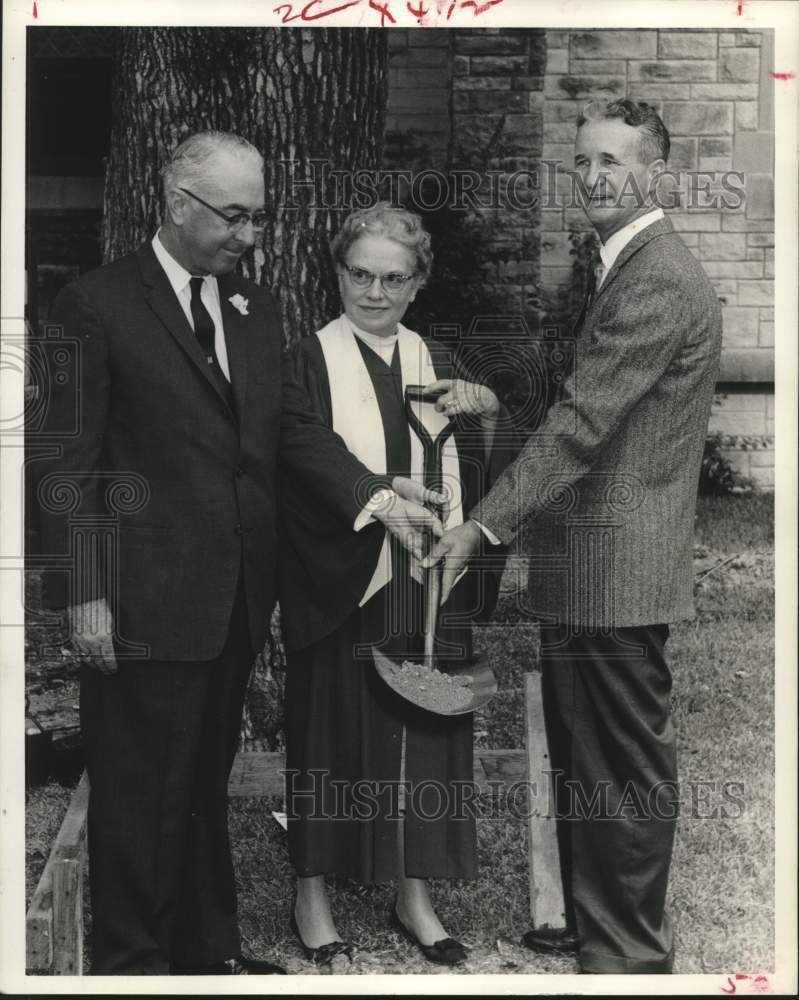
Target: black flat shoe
238,966
325,953
448,951
552,942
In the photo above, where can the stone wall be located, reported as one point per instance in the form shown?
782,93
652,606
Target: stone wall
497,121
454,89
474,99
419,82
714,91
745,422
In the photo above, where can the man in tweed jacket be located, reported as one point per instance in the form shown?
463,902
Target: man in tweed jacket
606,491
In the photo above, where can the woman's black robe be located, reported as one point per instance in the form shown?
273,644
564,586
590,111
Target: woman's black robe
349,738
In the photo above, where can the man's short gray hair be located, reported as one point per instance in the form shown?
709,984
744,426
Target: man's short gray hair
655,141
189,164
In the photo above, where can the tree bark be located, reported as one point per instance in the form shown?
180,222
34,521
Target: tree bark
299,95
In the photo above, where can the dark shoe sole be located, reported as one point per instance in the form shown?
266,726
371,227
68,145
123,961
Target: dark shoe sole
566,943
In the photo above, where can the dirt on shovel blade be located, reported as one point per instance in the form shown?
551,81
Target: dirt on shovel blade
431,688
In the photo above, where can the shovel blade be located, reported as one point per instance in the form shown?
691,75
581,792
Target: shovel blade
483,686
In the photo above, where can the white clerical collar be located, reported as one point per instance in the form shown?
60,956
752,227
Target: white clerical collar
384,346
618,241
177,274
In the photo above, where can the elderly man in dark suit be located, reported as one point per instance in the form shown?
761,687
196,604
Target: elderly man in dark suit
183,399
607,489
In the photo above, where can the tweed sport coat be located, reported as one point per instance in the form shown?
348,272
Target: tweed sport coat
606,486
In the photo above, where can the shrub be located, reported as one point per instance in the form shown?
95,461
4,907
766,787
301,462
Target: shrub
717,476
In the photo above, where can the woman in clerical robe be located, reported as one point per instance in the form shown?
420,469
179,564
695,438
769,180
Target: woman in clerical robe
376,786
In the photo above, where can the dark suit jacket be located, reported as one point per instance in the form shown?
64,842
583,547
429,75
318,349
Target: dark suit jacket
611,506
204,475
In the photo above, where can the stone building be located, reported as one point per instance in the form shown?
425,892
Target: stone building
499,105
523,89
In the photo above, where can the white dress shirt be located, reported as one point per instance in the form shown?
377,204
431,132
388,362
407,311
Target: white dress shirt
618,241
179,279
382,346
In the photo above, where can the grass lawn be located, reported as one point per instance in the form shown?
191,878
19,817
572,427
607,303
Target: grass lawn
722,876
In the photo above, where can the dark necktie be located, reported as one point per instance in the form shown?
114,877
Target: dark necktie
599,275
596,275
204,331
587,298
203,324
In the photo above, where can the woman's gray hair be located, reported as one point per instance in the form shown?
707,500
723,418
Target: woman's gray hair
385,219
189,163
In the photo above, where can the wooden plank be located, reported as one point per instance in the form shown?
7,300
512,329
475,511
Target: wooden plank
72,834
39,937
68,916
54,923
260,772
546,889
40,925
256,773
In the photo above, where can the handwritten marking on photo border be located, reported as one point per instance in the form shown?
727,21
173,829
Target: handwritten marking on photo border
423,12
747,984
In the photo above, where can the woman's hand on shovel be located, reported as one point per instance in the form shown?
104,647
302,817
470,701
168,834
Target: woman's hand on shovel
455,547
409,489
407,520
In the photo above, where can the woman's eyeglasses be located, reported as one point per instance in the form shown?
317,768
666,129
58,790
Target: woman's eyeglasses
394,281
235,222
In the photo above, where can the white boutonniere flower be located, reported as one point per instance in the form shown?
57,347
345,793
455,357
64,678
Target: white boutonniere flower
240,303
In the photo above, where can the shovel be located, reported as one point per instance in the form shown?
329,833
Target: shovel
483,684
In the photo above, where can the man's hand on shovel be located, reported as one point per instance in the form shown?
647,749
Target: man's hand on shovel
455,547
92,628
405,517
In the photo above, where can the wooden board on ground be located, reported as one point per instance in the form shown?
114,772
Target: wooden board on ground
260,772
546,889
54,923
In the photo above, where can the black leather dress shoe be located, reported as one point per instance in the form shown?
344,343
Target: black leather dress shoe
561,941
447,951
325,953
238,966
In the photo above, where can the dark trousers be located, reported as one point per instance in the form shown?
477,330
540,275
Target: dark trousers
159,740
613,754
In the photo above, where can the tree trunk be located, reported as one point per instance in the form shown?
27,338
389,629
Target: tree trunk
298,95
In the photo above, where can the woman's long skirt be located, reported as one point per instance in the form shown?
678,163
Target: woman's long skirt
352,744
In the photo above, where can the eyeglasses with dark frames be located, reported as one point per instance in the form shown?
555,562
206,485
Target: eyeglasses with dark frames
235,222
394,281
